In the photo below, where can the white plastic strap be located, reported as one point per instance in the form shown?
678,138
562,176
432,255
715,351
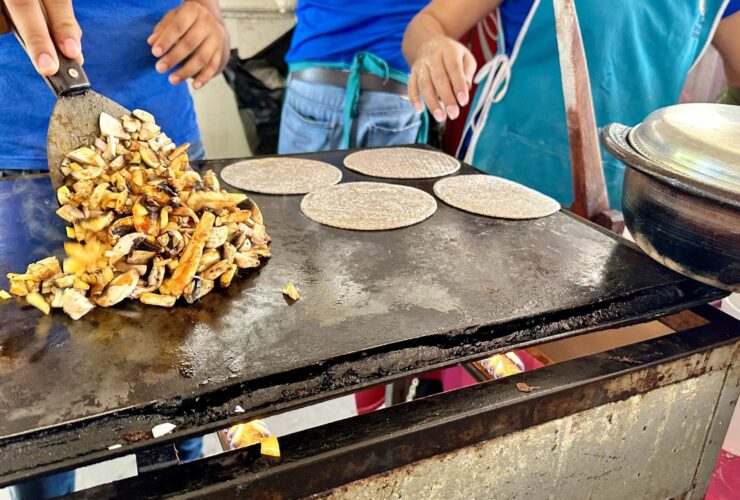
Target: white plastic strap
496,73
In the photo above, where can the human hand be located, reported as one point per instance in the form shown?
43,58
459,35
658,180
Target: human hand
41,36
443,71
193,37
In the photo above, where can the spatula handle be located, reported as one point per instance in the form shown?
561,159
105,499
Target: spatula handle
69,80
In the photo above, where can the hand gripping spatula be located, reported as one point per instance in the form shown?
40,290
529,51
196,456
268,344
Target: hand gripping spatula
75,119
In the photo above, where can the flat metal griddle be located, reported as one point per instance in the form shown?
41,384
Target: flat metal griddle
374,306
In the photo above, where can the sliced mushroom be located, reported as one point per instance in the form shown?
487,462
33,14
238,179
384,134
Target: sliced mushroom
57,299
172,242
87,173
240,235
140,257
119,228
70,213
86,156
178,151
130,125
149,157
75,304
155,299
148,130
216,270
199,200
246,261
197,289
159,142
211,181
218,237
225,279
146,215
118,289
154,280
124,246
125,266
109,126
229,252
144,116
209,258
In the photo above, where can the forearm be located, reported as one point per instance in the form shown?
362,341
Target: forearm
444,18
727,42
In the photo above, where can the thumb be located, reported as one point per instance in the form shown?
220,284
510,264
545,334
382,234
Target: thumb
64,27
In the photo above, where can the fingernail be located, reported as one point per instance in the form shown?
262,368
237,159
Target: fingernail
462,98
174,80
150,39
45,62
439,115
157,51
419,107
161,67
453,112
71,48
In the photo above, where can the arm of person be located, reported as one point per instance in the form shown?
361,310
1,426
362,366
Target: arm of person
727,42
442,69
41,36
193,37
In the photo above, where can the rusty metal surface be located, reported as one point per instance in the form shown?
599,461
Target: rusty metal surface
698,361
643,447
374,306
74,122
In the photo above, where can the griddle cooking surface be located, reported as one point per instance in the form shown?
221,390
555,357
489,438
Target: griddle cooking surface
450,283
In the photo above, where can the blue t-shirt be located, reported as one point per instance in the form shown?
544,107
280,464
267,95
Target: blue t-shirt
514,13
335,30
120,66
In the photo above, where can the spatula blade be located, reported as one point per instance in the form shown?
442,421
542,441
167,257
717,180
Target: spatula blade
75,123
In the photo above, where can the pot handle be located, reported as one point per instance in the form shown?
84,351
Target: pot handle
614,139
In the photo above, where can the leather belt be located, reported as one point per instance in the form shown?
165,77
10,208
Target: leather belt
338,78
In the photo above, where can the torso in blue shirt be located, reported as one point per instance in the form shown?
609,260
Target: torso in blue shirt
514,13
335,30
118,63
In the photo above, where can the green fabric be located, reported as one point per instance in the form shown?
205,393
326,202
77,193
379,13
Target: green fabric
731,95
364,62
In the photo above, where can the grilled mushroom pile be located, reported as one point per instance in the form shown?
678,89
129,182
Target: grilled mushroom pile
146,226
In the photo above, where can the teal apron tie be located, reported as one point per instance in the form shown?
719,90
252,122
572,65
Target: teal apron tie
363,62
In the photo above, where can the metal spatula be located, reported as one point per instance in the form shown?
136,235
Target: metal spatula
75,119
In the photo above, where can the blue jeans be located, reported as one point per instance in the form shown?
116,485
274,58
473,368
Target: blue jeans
312,119
64,482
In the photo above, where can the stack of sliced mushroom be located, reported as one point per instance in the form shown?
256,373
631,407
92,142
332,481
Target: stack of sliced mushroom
146,226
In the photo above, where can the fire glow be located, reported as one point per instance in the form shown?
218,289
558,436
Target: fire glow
503,365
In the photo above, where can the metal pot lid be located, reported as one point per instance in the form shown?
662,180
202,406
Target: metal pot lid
697,145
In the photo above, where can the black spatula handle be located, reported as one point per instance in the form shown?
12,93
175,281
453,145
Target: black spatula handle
69,80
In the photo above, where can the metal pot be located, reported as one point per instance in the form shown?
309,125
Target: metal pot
681,196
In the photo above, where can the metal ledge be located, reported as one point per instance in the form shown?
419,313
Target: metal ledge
319,459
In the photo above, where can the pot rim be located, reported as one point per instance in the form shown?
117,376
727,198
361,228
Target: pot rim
615,138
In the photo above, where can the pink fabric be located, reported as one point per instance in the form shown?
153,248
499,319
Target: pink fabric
725,484
369,400
452,378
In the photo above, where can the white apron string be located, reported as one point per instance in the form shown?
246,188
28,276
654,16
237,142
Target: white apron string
496,73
